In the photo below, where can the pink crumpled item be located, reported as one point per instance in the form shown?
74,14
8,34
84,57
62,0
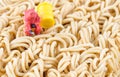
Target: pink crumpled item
31,17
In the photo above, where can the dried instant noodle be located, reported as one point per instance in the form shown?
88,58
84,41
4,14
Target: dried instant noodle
84,42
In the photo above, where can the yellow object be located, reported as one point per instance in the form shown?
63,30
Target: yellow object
45,11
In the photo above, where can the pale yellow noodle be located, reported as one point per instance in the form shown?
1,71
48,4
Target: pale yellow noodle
84,42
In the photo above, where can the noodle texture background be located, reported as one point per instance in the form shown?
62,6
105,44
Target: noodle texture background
84,42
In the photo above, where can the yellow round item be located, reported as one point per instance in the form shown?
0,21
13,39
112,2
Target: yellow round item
45,11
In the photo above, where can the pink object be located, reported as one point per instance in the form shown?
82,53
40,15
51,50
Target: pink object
32,20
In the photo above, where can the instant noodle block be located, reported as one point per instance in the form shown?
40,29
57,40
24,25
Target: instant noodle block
85,41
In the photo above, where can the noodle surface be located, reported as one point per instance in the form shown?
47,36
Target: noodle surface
84,42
